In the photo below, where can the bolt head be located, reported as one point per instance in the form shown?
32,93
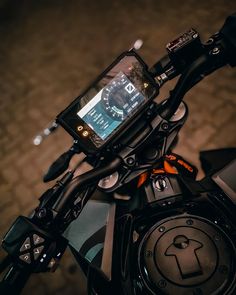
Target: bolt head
189,222
130,161
162,229
165,126
215,51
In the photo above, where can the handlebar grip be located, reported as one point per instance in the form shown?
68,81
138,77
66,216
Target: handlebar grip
14,281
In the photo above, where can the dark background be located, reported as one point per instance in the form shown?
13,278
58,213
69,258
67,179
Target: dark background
50,50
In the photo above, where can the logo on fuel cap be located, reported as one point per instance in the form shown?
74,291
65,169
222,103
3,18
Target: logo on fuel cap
185,252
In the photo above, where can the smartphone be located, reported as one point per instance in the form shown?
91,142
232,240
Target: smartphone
110,104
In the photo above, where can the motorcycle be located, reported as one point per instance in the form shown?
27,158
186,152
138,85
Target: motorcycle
138,222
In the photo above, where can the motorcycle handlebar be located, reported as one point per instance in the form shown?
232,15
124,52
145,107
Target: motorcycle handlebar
14,280
80,182
187,48
185,82
219,53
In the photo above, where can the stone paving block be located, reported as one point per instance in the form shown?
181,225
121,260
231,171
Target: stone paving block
30,173
201,136
8,218
11,174
226,95
35,286
55,281
23,194
39,187
29,210
224,116
5,196
225,137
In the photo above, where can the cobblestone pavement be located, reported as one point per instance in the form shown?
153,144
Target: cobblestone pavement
50,50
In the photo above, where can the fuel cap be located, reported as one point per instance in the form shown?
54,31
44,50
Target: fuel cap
187,255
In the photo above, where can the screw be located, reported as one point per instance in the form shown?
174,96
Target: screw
116,147
130,161
74,213
161,229
215,51
217,238
189,222
190,205
42,213
223,269
149,253
162,284
210,41
195,36
165,126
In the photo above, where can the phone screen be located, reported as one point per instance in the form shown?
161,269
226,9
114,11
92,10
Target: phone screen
111,106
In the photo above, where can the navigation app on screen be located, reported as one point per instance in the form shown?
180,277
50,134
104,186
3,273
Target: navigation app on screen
111,106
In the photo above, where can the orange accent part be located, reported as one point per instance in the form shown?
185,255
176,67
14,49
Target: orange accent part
170,157
170,169
142,178
158,171
185,165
